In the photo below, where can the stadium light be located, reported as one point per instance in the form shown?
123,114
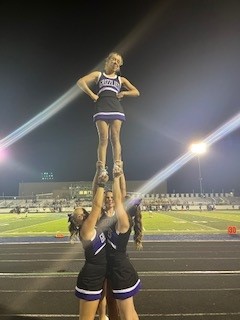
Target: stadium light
198,149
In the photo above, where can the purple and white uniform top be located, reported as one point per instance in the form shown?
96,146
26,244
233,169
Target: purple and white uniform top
108,107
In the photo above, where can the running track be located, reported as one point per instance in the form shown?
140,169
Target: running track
182,278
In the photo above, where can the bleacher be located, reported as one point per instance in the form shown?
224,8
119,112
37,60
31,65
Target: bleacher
154,202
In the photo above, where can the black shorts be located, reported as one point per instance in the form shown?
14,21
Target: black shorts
90,282
124,279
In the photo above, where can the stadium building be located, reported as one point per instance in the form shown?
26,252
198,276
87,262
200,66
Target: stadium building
69,190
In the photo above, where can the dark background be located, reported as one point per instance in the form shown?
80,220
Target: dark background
182,55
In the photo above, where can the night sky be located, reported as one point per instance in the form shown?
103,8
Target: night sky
182,55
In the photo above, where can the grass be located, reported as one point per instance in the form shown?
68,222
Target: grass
171,222
205,222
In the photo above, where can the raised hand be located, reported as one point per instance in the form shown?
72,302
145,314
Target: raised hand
117,169
103,177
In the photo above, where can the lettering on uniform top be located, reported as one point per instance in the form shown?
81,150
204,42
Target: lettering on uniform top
102,237
109,82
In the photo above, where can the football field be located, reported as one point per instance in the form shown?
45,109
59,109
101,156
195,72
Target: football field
163,222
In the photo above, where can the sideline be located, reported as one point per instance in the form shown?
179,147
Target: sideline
146,238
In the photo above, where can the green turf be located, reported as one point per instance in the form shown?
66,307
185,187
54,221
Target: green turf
171,222
213,222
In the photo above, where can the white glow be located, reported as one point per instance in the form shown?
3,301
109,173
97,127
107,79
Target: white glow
199,148
162,175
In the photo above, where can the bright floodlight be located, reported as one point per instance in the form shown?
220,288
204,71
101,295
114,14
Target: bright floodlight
199,148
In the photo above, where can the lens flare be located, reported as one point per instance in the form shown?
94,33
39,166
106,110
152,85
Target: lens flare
3,155
162,175
40,118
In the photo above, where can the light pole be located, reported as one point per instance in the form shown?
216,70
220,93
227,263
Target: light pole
200,175
198,149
